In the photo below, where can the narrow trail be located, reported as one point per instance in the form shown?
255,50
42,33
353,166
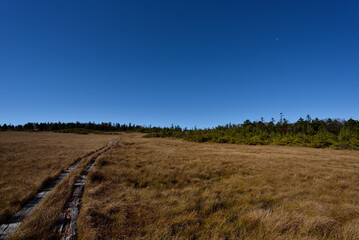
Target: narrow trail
14,222
67,229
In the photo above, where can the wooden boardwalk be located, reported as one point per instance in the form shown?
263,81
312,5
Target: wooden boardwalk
11,225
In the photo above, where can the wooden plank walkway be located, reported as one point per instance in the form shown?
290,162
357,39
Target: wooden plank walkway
67,229
11,225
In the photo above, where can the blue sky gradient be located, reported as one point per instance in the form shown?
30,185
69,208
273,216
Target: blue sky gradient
191,63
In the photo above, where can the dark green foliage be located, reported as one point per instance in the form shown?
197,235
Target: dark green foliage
81,128
338,134
333,133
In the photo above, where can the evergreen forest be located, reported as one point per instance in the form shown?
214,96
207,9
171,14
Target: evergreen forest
332,133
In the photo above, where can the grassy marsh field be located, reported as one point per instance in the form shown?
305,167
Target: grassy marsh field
173,189
30,159
161,188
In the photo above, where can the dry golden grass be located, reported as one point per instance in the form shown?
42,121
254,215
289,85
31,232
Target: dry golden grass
28,160
42,222
167,188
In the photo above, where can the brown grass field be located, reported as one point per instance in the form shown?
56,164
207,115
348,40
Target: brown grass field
150,188
172,189
28,160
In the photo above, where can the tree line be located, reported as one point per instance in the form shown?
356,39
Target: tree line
333,133
76,127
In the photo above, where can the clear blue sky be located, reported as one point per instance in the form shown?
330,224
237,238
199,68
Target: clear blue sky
190,63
